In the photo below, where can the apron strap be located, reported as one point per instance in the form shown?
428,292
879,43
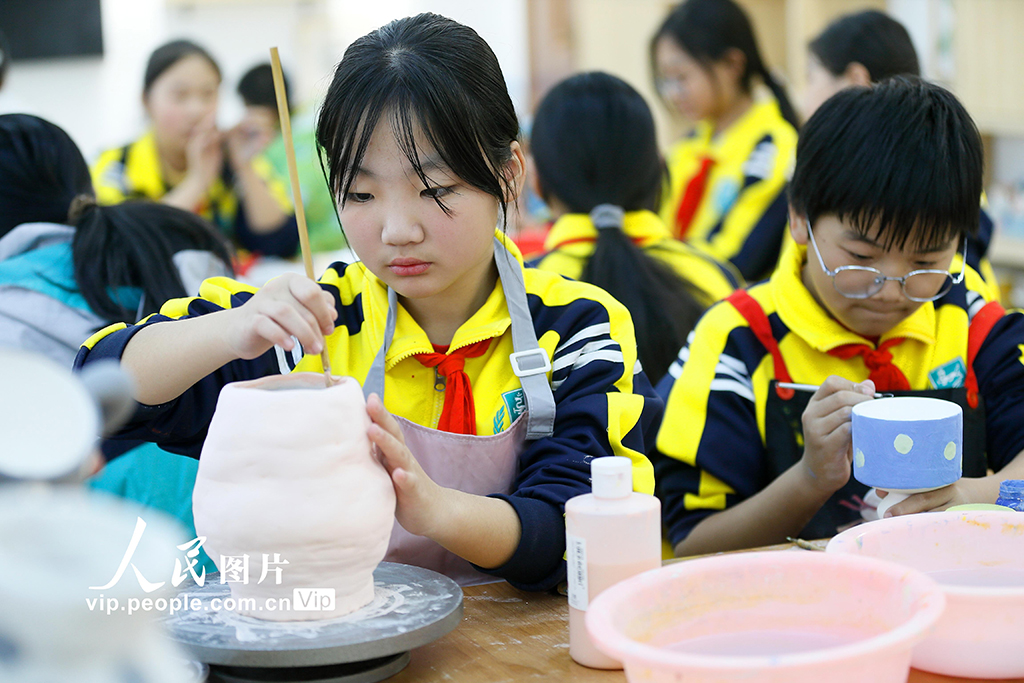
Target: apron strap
530,362
374,383
981,324
752,312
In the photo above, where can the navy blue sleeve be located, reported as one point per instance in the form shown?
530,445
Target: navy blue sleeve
585,370
709,393
760,252
977,244
180,426
999,367
282,241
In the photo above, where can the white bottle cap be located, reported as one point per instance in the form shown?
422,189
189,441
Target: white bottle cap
611,476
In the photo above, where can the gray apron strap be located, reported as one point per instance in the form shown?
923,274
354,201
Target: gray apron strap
530,362
374,383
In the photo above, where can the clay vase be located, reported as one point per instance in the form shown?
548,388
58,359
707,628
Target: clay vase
287,474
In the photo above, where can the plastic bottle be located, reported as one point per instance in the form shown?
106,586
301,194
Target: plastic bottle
1011,494
611,535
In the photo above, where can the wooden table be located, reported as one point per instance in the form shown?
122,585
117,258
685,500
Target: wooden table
507,635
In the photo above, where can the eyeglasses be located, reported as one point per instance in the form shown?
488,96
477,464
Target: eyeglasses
861,282
670,86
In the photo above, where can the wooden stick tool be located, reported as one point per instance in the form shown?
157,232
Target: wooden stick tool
293,172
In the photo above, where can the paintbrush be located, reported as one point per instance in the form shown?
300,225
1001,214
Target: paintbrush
293,172
812,388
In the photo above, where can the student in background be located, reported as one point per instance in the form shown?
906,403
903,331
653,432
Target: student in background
886,178
69,268
865,48
185,161
857,49
598,169
517,375
728,174
256,88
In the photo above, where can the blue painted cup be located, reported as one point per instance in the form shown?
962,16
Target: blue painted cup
907,443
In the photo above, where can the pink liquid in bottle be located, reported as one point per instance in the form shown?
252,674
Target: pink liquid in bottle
611,535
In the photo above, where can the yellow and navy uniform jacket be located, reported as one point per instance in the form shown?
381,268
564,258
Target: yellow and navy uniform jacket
604,403
743,213
711,448
133,172
570,243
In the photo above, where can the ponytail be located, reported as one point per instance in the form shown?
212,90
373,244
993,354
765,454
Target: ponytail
131,246
663,308
595,151
779,91
707,29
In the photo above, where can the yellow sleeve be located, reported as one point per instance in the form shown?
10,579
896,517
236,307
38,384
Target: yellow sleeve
108,178
752,205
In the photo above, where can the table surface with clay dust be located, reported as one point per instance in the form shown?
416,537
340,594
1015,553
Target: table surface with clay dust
507,635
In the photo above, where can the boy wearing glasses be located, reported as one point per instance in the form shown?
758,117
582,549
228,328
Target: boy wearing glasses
874,297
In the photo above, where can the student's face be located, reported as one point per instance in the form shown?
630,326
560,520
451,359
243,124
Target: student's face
841,245
821,85
180,98
393,223
695,92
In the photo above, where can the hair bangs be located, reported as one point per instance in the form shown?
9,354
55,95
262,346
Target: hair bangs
899,227
343,133
440,85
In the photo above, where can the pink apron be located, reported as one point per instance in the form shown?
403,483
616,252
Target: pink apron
480,465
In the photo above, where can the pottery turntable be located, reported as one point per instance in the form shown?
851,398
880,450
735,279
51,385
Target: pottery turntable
411,607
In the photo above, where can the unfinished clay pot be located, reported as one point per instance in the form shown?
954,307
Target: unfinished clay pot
287,473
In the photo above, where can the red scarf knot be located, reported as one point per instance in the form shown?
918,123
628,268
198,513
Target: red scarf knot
458,415
885,374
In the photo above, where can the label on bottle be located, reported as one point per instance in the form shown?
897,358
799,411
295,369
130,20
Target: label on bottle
576,564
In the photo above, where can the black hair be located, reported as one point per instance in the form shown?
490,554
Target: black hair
256,88
872,38
42,170
169,54
5,58
593,142
132,245
707,29
428,74
903,156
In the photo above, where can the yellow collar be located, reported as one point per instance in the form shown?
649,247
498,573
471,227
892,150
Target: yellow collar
143,167
804,316
489,321
738,138
643,227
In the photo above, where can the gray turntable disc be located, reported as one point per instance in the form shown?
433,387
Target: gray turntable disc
411,607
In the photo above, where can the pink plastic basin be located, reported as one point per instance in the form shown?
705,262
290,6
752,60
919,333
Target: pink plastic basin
790,617
978,558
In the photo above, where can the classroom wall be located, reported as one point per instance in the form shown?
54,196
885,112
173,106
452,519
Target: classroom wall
98,100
